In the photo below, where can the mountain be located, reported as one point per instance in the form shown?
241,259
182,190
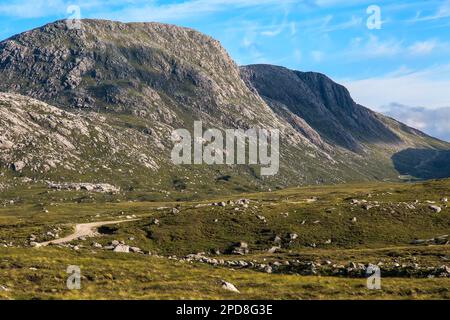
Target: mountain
322,103
99,104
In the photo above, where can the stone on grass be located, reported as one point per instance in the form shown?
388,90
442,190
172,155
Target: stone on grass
229,286
122,248
436,209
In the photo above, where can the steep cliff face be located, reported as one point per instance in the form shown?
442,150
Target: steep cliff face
323,104
138,82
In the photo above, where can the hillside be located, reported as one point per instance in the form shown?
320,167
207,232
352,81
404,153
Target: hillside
123,88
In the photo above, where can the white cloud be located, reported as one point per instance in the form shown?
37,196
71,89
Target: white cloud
435,122
374,48
428,88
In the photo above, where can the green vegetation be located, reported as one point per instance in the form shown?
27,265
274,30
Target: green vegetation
322,217
108,275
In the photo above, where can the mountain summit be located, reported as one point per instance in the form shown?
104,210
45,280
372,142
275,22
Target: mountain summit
110,95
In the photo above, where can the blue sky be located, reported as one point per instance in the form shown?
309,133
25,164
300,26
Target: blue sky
401,69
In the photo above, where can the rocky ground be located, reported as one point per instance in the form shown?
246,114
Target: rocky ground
335,233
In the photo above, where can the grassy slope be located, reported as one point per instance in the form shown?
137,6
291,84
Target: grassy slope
380,234
121,276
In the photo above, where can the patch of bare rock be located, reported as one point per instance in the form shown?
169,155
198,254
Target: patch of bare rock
91,187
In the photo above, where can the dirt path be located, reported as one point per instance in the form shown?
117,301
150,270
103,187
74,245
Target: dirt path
83,230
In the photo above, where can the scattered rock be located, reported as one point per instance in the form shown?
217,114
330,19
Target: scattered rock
435,209
122,248
262,218
4,288
90,187
277,239
18,166
241,248
243,202
229,286
293,236
267,269
273,249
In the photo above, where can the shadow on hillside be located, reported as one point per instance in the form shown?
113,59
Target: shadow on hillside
423,163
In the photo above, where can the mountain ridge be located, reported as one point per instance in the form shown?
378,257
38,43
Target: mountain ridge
147,79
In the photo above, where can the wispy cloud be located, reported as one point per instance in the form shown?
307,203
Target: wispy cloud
131,10
184,10
373,47
442,13
35,9
423,47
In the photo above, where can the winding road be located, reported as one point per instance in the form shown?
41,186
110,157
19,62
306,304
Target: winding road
83,230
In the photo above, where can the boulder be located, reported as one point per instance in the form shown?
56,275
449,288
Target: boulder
241,248
267,269
229,286
277,239
435,209
262,218
273,249
122,248
293,236
18,166
4,288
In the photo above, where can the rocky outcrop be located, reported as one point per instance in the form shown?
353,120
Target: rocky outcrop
92,187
